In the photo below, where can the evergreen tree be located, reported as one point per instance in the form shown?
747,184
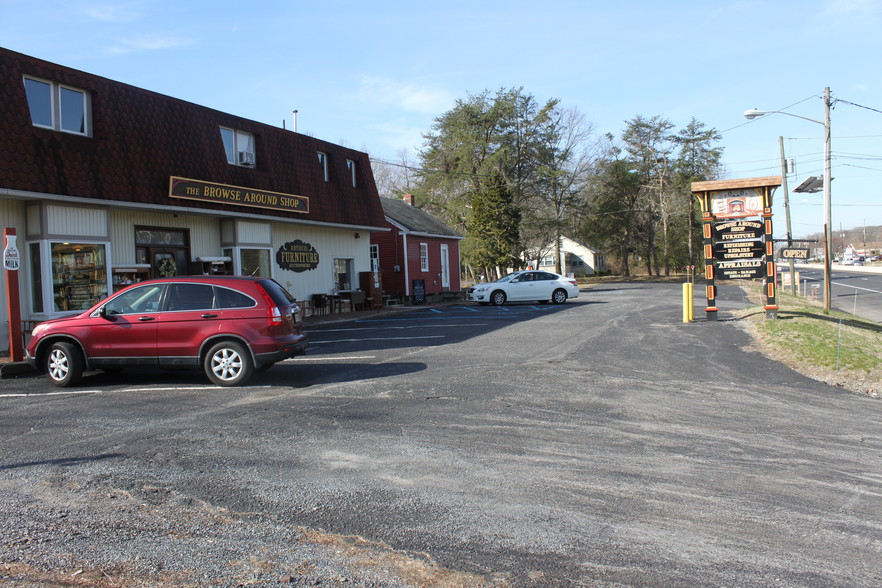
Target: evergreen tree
493,228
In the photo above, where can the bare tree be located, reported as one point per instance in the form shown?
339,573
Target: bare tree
394,178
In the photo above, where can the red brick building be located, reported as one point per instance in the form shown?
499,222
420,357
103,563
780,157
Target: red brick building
419,251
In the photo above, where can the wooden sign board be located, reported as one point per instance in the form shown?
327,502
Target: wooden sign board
740,269
731,250
738,229
795,253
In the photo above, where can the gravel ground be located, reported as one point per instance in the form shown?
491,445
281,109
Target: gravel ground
103,535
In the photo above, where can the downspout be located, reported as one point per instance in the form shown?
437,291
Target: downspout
406,265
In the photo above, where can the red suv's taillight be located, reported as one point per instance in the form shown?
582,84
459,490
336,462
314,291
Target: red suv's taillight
273,314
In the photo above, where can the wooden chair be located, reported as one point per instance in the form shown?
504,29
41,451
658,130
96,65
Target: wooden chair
305,308
338,301
320,303
357,299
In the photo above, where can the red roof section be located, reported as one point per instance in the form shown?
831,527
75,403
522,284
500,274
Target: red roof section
141,138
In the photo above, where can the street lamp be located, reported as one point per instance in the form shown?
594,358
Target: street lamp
828,239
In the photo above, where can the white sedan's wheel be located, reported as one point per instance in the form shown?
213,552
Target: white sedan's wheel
559,296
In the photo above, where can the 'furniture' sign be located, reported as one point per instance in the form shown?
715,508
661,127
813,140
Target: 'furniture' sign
297,256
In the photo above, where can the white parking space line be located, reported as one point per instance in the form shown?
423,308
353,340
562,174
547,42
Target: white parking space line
391,327
170,388
51,394
328,358
376,339
858,287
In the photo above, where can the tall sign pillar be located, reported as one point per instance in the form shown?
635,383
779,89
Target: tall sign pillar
11,265
736,222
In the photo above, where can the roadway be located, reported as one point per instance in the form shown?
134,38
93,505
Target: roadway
853,289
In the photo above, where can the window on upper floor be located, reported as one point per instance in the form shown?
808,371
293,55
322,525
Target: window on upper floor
58,107
323,164
350,167
239,146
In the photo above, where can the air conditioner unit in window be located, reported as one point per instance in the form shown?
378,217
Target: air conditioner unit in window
246,158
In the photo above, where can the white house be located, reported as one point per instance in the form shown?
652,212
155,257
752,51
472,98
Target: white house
577,260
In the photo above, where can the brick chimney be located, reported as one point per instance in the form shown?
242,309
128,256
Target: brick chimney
408,198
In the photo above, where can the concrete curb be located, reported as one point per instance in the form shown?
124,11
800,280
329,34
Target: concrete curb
10,369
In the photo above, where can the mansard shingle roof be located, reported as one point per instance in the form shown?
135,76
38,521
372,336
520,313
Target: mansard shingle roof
142,138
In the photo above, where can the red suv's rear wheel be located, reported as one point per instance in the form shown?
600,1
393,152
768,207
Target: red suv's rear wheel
228,364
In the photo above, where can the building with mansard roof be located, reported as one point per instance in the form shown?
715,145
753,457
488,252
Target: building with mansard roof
105,184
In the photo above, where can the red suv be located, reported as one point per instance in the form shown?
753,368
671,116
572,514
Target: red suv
227,325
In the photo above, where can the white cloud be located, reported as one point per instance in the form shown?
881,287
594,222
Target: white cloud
142,43
851,8
408,96
112,13
848,17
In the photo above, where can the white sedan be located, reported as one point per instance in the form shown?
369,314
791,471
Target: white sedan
534,285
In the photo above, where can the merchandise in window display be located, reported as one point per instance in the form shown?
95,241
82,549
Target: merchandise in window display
79,276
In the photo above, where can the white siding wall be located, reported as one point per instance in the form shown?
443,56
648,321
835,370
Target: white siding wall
76,222
330,244
33,220
204,232
254,233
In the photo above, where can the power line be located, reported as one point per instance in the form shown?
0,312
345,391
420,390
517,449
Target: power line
858,105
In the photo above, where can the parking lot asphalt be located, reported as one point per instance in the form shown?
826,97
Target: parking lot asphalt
603,442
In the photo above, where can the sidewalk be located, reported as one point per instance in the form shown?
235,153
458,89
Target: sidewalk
872,268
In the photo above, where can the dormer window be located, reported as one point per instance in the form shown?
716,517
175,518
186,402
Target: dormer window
57,107
323,164
350,167
239,147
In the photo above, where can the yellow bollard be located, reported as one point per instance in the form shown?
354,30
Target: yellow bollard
688,310
691,302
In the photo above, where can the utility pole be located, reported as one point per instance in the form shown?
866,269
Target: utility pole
828,229
787,213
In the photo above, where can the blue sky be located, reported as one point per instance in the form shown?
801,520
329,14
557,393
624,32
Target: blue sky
374,75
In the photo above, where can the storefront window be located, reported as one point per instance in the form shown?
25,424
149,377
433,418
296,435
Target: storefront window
79,275
342,275
255,262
